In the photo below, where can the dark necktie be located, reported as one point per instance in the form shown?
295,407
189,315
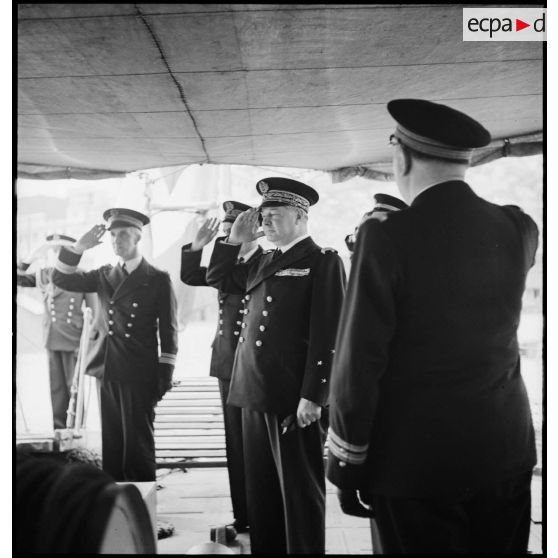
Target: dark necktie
240,260
276,254
124,270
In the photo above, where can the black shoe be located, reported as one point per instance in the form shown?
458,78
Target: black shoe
239,527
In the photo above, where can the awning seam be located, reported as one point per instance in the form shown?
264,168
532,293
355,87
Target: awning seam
174,79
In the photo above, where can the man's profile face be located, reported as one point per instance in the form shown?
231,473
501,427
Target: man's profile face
280,224
124,241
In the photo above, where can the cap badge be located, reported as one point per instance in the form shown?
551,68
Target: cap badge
229,206
263,186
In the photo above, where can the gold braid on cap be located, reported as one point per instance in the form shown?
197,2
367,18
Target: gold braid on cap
286,198
428,146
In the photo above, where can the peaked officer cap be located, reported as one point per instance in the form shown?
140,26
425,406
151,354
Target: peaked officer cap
122,217
437,130
59,240
232,210
384,203
278,191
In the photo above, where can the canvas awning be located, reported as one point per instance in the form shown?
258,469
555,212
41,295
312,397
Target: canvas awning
106,89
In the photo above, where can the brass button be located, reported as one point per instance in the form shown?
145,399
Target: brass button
72,299
324,380
69,313
135,304
221,311
71,306
246,311
258,343
238,323
111,311
111,302
269,299
111,322
53,319
110,332
220,332
126,335
247,297
221,322
69,321
262,328
241,339
265,312
319,362
243,325
129,325
236,332
53,312
220,301
132,315
342,464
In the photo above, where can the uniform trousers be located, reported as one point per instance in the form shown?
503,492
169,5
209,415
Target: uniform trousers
127,415
494,519
232,417
61,367
285,485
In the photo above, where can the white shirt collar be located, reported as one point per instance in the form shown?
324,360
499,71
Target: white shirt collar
248,255
291,244
132,264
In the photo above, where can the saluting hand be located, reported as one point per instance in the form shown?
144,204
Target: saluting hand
91,238
307,412
245,227
206,233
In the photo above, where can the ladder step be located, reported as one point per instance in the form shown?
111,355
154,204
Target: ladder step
191,453
207,410
189,403
197,432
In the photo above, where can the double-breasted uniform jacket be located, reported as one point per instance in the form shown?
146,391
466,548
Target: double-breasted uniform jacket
135,329
427,396
231,312
290,316
63,317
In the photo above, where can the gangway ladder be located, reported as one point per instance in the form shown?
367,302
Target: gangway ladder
189,428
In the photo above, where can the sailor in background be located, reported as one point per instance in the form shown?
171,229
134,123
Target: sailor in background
231,309
430,419
383,204
133,342
281,369
62,323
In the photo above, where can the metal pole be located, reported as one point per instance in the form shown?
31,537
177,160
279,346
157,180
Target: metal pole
81,370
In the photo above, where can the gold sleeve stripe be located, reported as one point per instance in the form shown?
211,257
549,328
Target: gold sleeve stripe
346,445
65,268
344,455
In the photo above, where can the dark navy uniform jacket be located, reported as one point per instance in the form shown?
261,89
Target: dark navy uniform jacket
63,318
292,308
427,399
136,314
231,308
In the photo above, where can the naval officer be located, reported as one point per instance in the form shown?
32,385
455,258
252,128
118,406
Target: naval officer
62,324
383,204
231,307
133,341
281,369
430,419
